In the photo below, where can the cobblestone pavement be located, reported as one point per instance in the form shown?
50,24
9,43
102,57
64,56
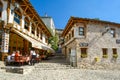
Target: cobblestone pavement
57,69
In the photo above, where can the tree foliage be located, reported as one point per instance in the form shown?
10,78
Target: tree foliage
54,42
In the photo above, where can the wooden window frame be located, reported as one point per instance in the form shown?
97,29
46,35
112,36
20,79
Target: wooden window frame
115,54
26,24
41,34
84,52
114,32
38,32
80,31
17,18
105,53
69,36
33,29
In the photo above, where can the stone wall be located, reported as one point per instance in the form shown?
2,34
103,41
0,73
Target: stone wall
71,45
96,41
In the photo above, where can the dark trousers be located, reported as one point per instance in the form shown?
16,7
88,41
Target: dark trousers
32,61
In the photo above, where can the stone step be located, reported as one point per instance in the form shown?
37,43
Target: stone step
56,68
19,70
52,66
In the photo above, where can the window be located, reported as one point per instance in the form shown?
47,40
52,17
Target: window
69,50
112,31
46,40
17,18
72,33
105,53
26,25
69,36
1,7
115,55
81,31
37,32
83,52
41,35
33,29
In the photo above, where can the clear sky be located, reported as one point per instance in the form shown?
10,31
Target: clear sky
61,10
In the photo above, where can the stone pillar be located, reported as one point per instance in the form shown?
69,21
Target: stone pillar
77,54
35,32
5,43
22,22
73,57
30,28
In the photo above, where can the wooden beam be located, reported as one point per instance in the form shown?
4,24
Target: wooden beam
23,5
25,9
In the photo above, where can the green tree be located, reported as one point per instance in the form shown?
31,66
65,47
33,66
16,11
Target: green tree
54,42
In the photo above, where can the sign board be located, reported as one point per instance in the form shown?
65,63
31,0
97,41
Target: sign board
5,42
83,44
118,41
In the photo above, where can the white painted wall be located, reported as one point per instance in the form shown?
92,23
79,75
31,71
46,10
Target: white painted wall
4,12
49,23
17,26
43,38
11,14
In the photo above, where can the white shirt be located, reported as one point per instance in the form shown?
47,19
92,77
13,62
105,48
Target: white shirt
33,53
13,54
9,58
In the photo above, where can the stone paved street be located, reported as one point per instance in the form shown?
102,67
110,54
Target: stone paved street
56,69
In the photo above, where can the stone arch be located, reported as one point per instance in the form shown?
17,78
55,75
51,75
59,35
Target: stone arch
18,11
33,28
27,23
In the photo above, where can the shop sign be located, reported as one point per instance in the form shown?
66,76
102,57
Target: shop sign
83,44
73,52
118,41
5,42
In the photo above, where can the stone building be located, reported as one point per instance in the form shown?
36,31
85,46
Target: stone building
49,23
21,28
91,40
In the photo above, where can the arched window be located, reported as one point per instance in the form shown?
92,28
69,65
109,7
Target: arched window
17,16
27,23
38,32
33,29
1,8
41,34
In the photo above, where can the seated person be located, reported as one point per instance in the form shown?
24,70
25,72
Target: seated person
9,58
37,55
17,54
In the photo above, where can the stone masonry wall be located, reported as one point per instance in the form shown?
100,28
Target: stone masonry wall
96,41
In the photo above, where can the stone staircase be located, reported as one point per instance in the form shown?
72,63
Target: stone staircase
16,69
52,66
55,63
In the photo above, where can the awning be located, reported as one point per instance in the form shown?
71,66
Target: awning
47,48
35,43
